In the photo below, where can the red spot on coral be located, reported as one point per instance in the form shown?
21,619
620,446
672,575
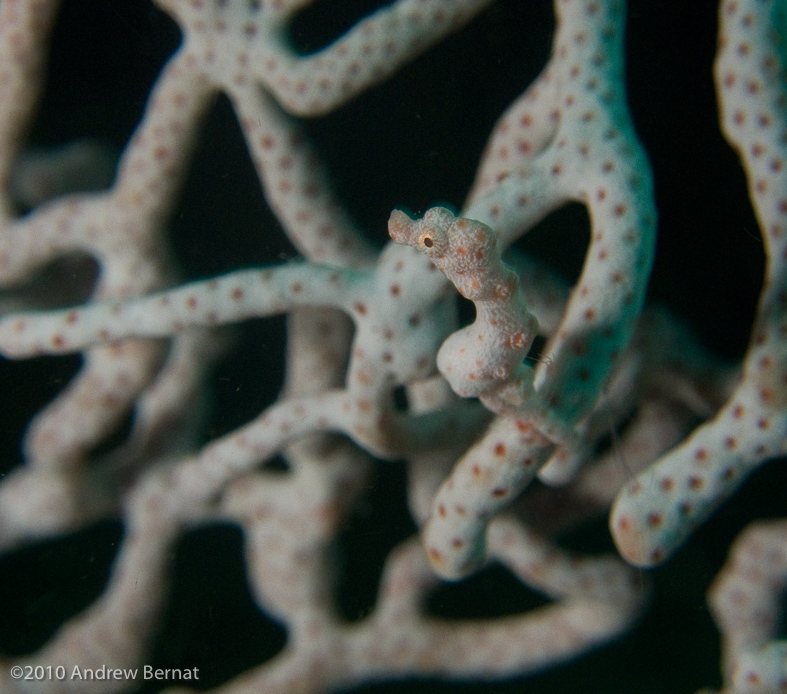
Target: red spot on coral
360,308
655,519
701,454
500,449
518,340
499,491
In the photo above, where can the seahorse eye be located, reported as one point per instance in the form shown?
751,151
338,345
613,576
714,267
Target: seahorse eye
428,242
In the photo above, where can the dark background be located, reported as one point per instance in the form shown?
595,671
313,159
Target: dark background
412,141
